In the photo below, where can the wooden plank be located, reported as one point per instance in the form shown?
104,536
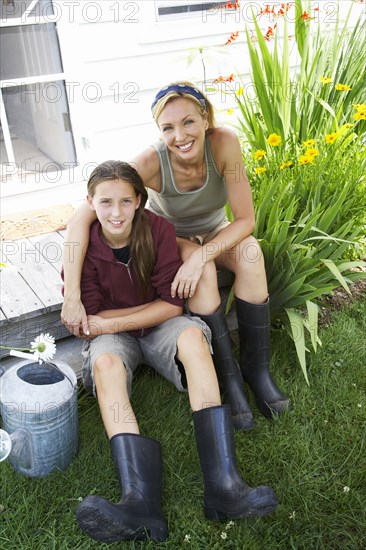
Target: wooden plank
17,298
67,350
50,246
36,271
23,330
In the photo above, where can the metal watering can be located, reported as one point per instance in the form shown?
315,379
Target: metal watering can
38,406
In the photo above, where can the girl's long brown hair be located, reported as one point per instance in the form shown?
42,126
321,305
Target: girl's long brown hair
141,242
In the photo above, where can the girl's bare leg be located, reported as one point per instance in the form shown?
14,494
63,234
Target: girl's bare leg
110,379
194,353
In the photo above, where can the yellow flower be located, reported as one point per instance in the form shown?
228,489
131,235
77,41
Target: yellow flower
342,87
239,92
274,140
306,159
286,164
330,138
325,79
230,111
260,170
361,107
359,116
312,152
309,143
345,127
259,154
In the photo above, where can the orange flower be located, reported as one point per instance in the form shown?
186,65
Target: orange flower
229,78
229,6
305,16
268,10
270,33
232,38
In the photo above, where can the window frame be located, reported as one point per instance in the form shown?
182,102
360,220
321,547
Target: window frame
201,5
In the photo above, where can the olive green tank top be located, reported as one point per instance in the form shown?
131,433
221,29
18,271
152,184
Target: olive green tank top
192,212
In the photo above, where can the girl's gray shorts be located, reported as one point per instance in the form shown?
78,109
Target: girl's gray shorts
157,349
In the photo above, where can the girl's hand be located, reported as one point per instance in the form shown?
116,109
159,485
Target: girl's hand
74,317
98,325
187,277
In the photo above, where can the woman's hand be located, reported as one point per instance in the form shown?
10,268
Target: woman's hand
188,275
74,317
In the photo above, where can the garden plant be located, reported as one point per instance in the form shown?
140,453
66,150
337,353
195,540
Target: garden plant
303,137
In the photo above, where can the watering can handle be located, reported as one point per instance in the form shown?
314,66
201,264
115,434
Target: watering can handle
5,445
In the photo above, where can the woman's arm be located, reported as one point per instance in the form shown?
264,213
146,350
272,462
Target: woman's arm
148,166
76,242
152,315
228,158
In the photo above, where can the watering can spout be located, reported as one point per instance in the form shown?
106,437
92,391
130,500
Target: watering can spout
19,445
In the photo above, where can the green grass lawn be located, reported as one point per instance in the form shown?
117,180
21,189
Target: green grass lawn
314,458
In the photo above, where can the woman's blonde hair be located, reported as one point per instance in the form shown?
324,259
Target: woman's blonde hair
174,94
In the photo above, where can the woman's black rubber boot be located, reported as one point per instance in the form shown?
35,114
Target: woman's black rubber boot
226,495
227,370
138,515
254,335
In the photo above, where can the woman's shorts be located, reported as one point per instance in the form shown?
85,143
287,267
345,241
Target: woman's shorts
206,237
157,349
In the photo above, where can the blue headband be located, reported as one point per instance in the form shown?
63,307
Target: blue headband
182,89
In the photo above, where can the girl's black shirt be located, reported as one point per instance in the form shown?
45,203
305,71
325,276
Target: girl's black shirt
122,254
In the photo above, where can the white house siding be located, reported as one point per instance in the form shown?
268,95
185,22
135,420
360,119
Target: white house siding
115,57
129,56
115,67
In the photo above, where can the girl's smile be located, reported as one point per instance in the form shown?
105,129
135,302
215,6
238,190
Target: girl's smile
115,203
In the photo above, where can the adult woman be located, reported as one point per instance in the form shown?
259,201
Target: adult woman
191,173
125,285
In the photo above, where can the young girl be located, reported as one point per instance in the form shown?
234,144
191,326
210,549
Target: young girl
191,173
130,264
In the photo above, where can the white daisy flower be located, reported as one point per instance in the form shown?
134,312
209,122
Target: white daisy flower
43,347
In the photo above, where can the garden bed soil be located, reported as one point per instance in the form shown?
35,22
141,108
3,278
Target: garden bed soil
340,299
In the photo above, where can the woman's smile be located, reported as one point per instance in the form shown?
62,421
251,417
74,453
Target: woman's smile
186,147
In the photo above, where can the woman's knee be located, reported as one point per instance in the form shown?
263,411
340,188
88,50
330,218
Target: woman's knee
209,275
248,255
251,250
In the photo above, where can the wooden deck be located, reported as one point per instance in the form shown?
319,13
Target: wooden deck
31,297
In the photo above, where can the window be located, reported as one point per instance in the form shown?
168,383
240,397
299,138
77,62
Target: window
36,133
177,9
